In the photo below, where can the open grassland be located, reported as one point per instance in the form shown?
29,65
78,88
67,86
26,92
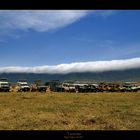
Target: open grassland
69,111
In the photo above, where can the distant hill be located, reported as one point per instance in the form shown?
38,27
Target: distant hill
110,76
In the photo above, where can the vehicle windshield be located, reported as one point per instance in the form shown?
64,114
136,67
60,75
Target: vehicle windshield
71,85
41,86
24,84
4,84
128,86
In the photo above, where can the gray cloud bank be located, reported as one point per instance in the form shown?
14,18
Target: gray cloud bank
95,66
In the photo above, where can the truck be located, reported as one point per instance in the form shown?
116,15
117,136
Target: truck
56,86
4,85
22,86
41,88
129,88
37,86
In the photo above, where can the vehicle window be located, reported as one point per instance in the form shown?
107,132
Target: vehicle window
4,84
24,85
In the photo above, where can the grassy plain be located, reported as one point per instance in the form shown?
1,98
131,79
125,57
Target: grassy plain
69,111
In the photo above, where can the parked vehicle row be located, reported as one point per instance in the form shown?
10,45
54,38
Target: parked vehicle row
20,86
57,86
101,87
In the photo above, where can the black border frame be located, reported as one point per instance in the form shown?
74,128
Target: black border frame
65,4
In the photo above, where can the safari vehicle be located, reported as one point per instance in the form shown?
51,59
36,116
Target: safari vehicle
4,85
129,88
22,85
41,88
93,88
37,86
82,87
56,86
69,87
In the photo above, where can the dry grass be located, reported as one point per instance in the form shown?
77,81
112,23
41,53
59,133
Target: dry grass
69,111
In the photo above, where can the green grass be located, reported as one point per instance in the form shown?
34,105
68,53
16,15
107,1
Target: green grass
69,111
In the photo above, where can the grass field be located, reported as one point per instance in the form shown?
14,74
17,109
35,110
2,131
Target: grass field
69,111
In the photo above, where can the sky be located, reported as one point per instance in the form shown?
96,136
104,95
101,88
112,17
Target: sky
63,41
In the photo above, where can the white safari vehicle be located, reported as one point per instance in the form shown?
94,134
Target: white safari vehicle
22,85
4,85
